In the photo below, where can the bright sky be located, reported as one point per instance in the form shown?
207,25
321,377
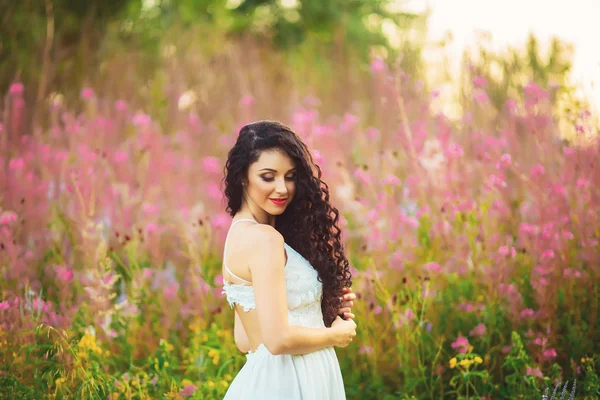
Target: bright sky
510,21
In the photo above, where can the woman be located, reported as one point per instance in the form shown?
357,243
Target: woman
284,269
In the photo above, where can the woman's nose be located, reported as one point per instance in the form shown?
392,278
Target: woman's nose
281,187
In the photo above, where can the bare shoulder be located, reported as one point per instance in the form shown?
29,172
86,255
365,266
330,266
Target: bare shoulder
262,241
263,235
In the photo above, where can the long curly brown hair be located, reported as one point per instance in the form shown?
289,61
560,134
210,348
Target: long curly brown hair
310,223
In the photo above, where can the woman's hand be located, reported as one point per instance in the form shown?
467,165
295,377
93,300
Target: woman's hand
344,331
347,299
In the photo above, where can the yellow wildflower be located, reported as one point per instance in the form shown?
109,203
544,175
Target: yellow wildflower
168,346
195,327
465,363
453,362
478,360
224,383
186,382
211,384
228,377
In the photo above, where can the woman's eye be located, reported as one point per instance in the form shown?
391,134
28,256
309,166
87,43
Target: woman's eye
268,179
291,178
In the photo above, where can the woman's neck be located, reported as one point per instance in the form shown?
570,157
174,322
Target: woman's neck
259,216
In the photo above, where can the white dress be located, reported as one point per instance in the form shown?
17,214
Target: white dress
311,376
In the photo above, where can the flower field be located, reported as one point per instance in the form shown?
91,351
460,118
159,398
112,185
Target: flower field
474,245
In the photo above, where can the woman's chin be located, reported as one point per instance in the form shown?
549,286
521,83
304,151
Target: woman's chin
276,210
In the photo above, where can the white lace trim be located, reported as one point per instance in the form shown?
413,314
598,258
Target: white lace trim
240,294
303,289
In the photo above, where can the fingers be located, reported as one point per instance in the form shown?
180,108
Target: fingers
348,297
348,304
349,315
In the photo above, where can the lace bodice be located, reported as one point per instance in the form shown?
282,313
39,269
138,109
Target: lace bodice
304,292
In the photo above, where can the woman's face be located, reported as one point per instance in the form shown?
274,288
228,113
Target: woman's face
271,182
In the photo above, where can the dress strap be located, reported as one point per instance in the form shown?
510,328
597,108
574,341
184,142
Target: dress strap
225,248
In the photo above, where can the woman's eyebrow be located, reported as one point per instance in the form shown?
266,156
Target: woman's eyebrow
274,170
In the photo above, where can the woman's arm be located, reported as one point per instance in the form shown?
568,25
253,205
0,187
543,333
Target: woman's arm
267,260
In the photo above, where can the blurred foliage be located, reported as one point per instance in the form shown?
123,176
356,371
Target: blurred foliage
508,72
51,44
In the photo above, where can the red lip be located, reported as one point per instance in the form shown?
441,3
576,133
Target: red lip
278,202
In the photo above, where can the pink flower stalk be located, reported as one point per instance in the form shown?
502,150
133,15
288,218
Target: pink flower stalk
64,274
373,133
538,170
220,221
461,344
549,353
432,267
366,350
87,93
16,88
362,176
4,305
547,255
377,310
318,157
151,227
378,65
121,106
506,251
391,179
455,151
8,217
540,341
212,165
188,391
141,120
534,372
497,181
479,81
247,100
480,96
478,331
527,313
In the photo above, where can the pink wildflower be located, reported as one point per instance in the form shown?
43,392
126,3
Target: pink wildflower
247,101
8,217
479,81
534,372
455,150
212,165
527,313
391,179
87,93
188,391
582,183
461,344
220,221
16,88
432,267
506,159
121,106
549,353
547,255
378,65
479,330
64,274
